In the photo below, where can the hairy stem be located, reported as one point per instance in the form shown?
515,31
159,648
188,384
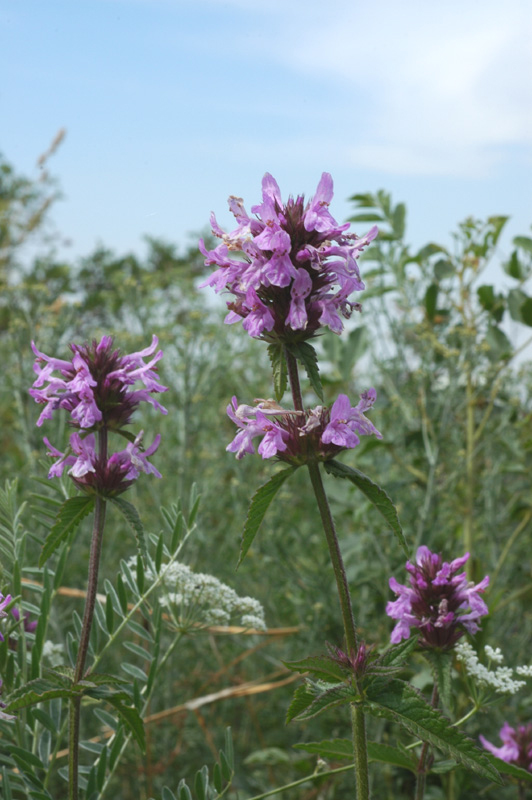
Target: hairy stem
421,767
88,615
360,749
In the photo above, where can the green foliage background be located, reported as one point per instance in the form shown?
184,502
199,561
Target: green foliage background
454,408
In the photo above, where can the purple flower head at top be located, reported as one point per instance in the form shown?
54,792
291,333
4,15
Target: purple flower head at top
297,266
516,748
439,601
293,436
97,386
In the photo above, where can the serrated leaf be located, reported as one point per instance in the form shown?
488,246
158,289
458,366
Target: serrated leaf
442,663
305,353
279,370
329,748
69,517
398,701
342,749
303,697
105,679
131,515
509,769
375,495
396,654
258,507
320,667
37,691
337,695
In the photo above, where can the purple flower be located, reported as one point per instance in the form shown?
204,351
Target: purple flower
346,422
108,478
300,264
516,748
440,601
96,386
293,436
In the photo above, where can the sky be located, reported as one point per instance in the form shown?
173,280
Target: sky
171,106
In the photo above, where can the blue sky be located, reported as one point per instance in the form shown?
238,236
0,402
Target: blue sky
170,106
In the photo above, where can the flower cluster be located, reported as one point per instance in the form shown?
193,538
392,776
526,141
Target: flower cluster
199,598
98,389
292,435
501,679
298,266
440,601
516,748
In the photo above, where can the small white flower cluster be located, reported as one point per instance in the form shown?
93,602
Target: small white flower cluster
53,653
501,679
208,600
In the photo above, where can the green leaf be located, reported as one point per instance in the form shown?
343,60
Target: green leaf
69,517
498,342
302,699
127,713
37,691
509,769
431,298
305,353
320,667
428,251
442,664
398,701
516,298
280,374
369,217
524,242
340,749
396,654
443,269
258,507
131,514
336,749
398,220
375,495
526,312
514,268
337,695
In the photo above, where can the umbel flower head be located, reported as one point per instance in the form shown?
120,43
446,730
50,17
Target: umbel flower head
516,748
294,435
439,601
297,268
98,389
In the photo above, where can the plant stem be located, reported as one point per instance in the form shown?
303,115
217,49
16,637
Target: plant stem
88,614
313,777
470,472
421,767
360,748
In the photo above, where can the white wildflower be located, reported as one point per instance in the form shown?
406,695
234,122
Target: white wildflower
501,679
53,653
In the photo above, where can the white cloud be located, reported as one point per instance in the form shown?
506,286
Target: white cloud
432,88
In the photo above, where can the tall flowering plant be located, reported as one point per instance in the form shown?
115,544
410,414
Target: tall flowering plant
291,271
99,389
